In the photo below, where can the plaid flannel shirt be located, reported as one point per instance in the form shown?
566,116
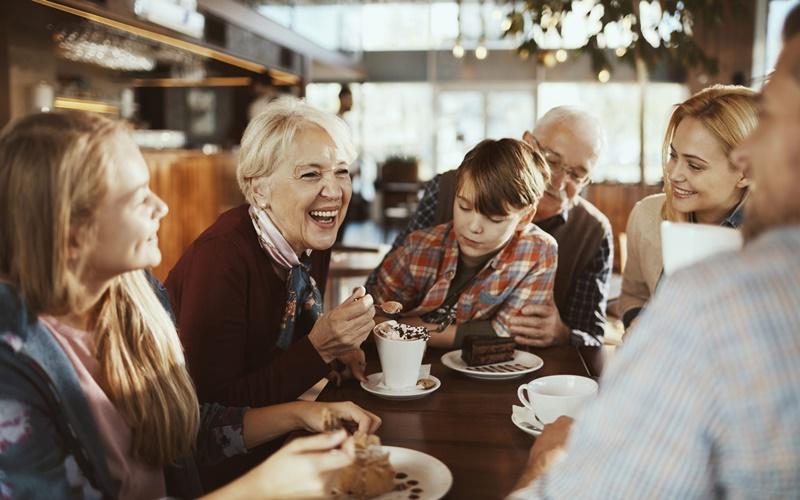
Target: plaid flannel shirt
586,311
419,272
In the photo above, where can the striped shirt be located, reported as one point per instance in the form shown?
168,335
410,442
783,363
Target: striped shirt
704,400
418,274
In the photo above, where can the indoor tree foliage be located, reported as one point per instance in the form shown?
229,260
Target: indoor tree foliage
647,46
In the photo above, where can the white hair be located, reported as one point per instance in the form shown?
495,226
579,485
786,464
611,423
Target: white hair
582,123
270,135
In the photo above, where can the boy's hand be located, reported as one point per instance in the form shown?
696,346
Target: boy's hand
539,325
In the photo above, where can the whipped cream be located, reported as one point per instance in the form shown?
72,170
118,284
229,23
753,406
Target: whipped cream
398,331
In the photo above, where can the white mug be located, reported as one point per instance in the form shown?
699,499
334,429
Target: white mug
556,395
683,244
400,360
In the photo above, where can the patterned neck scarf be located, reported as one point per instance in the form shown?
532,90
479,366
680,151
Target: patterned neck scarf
300,285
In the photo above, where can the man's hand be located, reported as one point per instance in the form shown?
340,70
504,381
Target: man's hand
547,450
539,325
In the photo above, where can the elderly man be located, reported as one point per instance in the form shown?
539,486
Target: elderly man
571,141
704,401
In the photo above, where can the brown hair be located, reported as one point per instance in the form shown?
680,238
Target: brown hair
729,112
53,174
505,173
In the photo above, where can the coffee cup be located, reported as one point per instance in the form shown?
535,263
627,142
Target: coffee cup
683,244
556,395
400,359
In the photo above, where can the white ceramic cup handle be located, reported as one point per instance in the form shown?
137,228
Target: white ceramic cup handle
523,397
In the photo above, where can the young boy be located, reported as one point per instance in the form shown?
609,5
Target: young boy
471,275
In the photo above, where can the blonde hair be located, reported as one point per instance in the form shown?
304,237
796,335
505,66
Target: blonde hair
53,174
269,136
729,112
505,173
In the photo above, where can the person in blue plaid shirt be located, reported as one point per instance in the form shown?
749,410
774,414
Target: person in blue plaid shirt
572,141
704,401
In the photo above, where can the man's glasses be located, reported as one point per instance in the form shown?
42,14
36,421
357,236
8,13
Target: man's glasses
556,164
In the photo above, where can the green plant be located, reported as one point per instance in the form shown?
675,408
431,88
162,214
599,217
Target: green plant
673,43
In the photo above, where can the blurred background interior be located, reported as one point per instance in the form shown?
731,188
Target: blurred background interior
419,83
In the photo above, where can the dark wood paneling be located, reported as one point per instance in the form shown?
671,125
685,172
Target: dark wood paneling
617,201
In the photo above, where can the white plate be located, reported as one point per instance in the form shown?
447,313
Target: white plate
520,414
374,385
432,476
453,361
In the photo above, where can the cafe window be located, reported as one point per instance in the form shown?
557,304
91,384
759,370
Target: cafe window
617,106
467,116
387,119
439,124
393,25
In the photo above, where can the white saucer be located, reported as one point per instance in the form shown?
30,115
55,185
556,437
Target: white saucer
374,385
520,414
428,474
453,361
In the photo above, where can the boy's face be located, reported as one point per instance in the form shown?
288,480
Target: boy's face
479,235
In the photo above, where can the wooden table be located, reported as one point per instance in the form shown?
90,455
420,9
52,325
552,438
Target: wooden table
466,423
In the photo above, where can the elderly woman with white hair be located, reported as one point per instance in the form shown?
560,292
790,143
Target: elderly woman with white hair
246,293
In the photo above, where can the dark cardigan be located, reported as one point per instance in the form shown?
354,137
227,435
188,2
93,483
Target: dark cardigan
228,302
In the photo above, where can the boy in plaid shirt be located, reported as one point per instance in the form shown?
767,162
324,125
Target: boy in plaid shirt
471,275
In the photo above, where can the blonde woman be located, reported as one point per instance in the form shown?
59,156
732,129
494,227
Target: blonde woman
95,399
701,185
247,293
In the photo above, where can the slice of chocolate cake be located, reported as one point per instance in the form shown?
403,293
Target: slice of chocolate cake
477,350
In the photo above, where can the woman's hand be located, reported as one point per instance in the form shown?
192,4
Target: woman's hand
304,468
311,416
352,364
345,327
269,422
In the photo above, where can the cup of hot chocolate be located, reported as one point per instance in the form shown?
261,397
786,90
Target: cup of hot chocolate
400,349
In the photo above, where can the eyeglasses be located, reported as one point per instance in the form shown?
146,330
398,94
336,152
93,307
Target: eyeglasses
313,175
556,164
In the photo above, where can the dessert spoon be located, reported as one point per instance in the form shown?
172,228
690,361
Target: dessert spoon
530,426
390,309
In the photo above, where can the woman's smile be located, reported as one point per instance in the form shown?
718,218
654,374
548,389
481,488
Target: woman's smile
325,217
682,193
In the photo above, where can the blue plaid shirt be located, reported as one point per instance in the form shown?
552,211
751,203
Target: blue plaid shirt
586,311
704,400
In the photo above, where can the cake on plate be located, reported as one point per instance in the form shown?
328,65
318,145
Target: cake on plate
371,474
477,350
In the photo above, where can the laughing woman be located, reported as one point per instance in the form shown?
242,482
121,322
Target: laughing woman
95,399
700,183
247,292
